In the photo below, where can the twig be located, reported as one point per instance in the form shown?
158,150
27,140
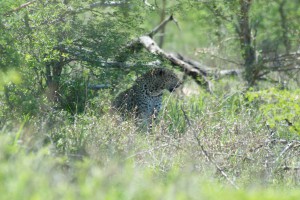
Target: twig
268,142
282,141
226,60
99,86
287,147
19,8
185,116
146,151
208,70
278,69
160,26
204,152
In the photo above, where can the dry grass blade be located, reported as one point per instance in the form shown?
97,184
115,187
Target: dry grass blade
204,152
287,147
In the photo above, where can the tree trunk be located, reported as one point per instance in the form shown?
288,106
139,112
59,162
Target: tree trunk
163,29
248,52
53,72
284,27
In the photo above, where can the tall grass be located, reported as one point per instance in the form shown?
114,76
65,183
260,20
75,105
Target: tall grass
200,148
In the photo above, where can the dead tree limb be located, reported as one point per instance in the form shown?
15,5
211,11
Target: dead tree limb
209,71
198,71
195,73
134,45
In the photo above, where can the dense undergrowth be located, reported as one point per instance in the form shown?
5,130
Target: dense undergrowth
202,147
60,140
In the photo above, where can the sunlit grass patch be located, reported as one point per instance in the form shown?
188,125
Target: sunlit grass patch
199,148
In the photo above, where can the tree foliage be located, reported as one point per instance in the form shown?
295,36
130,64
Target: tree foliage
53,43
56,39
59,137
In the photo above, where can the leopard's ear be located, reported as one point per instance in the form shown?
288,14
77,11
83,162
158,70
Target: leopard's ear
161,72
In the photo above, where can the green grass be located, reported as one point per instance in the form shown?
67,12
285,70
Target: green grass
95,156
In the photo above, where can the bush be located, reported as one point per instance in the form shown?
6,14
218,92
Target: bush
280,108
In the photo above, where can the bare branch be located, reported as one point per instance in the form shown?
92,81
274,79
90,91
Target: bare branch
215,164
209,70
287,147
19,8
277,69
293,56
198,71
160,26
99,87
195,73
146,151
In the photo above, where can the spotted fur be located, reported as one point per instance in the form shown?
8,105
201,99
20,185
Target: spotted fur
144,99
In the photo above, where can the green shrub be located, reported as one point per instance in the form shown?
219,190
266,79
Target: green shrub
280,108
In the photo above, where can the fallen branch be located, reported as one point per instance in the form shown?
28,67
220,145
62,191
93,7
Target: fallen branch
198,71
195,73
149,44
134,45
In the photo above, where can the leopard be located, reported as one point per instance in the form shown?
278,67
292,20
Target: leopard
143,100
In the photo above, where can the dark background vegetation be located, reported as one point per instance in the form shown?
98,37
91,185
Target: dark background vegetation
231,130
